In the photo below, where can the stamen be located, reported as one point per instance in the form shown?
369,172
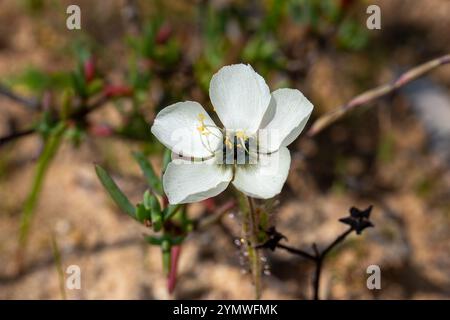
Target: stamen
209,131
201,117
240,134
243,144
203,130
228,142
236,145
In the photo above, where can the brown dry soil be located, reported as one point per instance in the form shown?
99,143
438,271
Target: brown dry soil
409,189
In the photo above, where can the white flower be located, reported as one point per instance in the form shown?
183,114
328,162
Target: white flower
250,152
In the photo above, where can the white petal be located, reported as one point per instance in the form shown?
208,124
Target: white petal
291,111
186,181
265,179
240,97
176,127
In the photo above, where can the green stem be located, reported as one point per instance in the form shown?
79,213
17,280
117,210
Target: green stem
59,267
250,223
166,259
255,254
51,146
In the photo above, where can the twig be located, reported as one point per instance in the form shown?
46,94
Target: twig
15,135
298,252
79,114
318,271
336,242
28,102
318,258
358,221
373,94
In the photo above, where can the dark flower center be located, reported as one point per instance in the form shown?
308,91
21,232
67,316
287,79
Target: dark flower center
238,149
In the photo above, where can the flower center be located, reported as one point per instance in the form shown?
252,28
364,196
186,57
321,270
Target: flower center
238,148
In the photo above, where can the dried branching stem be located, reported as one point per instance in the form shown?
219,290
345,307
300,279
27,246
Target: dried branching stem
373,94
15,135
80,113
318,257
27,102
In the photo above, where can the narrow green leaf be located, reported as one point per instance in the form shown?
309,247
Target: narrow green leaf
171,210
94,87
142,213
146,167
116,194
79,83
59,267
156,241
66,104
152,204
50,148
147,203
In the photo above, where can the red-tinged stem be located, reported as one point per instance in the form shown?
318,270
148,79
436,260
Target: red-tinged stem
172,278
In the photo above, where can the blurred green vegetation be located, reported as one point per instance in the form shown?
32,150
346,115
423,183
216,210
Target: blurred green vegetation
170,56
177,44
